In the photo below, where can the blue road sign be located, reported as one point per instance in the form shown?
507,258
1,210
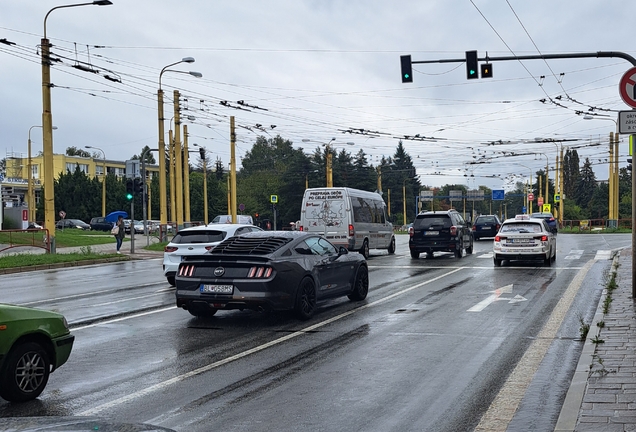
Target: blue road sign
498,194
524,209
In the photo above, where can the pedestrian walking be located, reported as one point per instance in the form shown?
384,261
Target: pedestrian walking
119,231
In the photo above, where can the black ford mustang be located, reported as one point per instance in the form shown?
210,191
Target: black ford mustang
270,270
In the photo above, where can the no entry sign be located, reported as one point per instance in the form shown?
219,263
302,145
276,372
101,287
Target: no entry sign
627,87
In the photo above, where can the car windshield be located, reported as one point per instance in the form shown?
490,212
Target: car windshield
199,236
427,222
521,227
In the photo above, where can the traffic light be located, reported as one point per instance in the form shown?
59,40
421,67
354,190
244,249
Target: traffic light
138,185
471,65
202,153
629,164
407,70
486,70
130,189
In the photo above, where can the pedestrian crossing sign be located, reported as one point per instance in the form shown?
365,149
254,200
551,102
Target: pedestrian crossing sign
557,198
547,208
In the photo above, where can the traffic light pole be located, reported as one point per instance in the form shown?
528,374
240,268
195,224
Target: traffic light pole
598,54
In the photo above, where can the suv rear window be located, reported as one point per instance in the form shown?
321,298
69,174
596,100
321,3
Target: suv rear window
485,219
198,236
427,221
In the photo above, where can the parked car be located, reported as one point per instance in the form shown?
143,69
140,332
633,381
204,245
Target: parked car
525,238
100,224
197,241
440,231
486,226
552,223
72,223
270,270
138,227
155,224
33,343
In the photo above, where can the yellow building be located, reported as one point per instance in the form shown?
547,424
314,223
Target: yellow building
14,184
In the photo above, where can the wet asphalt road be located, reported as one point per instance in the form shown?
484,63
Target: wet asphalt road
425,352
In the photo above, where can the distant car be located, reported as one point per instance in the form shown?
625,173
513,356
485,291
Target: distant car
227,219
440,231
524,238
486,226
33,343
154,225
138,227
552,223
72,223
270,270
100,224
196,241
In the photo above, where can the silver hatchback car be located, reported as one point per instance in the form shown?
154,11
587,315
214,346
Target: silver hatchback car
197,241
524,238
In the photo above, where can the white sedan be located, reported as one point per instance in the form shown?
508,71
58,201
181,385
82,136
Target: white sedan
197,241
524,238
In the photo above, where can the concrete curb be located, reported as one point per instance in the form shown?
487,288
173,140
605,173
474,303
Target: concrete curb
574,397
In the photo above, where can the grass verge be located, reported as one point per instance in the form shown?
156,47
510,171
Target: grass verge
29,260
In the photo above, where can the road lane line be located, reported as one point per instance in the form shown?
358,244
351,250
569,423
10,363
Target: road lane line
506,403
92,293
163,384
74,329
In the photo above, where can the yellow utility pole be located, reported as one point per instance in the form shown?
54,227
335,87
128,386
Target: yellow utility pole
173,208
205,190
186,174
233,169
163,204
178,165
611,176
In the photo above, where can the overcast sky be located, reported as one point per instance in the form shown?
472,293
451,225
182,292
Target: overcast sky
313,69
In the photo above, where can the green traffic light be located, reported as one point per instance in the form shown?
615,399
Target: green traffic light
472,72
406,76
129,196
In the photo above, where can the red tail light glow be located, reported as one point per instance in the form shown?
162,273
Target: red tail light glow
170,249
497,238
208,247
453,230
186,270
352,231
259,272
301,228
474,228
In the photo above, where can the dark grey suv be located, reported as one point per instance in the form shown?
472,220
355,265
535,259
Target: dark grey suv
440,231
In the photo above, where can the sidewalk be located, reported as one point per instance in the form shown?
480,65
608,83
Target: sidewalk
604,384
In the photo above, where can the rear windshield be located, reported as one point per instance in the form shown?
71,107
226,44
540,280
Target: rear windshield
486,219
199,236
521,227
426,222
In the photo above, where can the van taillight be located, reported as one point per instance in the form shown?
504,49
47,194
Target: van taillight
352,231
300,228
453,230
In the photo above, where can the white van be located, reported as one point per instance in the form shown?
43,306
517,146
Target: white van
352,218
227,219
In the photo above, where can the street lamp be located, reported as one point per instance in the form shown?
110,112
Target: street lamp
103,179
47,127
163,205
613,169
205,182
30,193
547,178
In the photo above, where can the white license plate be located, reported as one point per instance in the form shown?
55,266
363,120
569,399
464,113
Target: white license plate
522,240
426,233
217,289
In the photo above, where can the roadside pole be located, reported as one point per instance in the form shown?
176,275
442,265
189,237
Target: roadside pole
132,225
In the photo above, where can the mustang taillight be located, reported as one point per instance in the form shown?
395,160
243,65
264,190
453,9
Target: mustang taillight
170,248
259,272
453,230
352,231
186,270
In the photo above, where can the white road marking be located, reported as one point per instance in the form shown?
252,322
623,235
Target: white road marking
503,408
203,369
491,298
486,255
74,329
574,254
92,293
603,255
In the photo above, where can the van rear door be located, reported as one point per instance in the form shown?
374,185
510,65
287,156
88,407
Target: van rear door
325,212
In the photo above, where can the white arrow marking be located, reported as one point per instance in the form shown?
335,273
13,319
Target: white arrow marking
491,298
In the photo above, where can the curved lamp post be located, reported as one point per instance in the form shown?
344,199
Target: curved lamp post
103,179
163,205
47,126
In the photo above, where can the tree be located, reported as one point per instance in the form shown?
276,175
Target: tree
74,151
570,172
150,159
586,185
